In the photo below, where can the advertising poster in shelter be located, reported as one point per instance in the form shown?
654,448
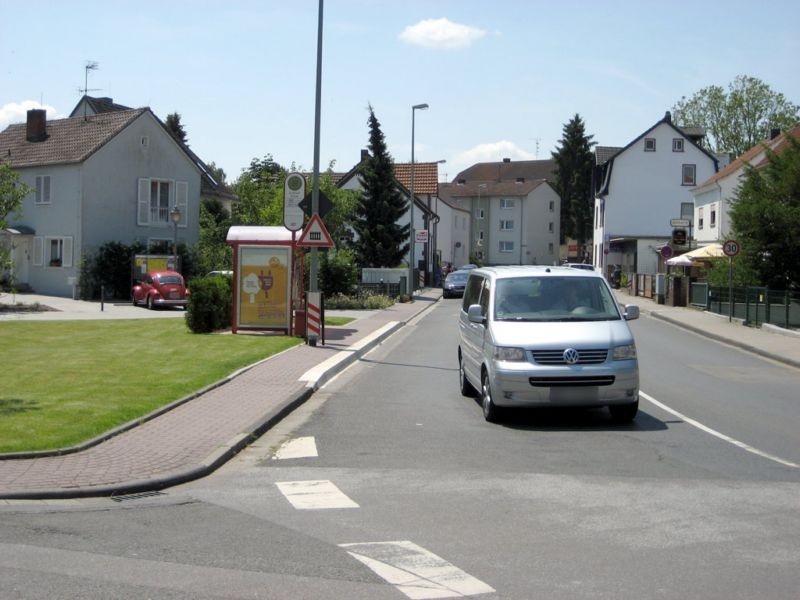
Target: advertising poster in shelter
264,287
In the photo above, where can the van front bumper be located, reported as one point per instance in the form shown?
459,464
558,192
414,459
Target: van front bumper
518,384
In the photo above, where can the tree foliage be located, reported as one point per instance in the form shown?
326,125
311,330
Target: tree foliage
738,119
260,191
175,127
213,252
574,161
12,192
381,242
765,217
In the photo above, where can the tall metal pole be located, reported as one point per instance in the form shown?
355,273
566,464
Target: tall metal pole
312,284
413,241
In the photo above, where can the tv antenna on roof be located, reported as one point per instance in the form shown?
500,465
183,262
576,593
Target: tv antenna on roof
90,65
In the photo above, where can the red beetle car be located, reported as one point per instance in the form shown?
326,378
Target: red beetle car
161,288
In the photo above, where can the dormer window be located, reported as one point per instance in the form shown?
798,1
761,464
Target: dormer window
649,144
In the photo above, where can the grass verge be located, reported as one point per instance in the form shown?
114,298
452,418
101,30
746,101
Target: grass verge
64,382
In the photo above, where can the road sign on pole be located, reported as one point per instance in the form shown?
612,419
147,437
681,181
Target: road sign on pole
294,188
316,235
731,248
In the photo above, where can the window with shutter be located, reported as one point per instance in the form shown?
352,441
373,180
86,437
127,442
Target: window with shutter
42,189
182,201
143,212
38,251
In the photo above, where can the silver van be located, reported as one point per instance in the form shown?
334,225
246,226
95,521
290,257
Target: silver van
546,336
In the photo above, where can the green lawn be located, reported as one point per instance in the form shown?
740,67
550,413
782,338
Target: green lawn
64,382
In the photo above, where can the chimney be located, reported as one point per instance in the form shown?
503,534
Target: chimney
37,125
506,160
364,154
773,133
668,117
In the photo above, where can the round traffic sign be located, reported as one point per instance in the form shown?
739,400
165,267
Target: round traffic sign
666,251
730,248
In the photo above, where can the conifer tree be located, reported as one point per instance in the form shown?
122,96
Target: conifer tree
574,160
382,241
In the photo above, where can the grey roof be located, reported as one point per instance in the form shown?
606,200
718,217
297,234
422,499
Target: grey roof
68,140
509,171
473,189
603,153
98,105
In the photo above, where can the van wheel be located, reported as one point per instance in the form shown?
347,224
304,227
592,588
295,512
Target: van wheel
624,413
490,410
467,389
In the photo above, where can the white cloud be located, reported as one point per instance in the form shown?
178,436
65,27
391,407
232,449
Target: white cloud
492,152
17,112
441,33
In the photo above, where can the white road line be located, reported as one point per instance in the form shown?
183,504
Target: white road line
314,495
302,447
415,571
719,435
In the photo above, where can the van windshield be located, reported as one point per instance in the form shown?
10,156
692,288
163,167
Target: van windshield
553,298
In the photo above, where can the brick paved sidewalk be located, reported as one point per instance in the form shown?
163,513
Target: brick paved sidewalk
199,435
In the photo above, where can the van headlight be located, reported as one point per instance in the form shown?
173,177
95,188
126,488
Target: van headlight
511,354
626,352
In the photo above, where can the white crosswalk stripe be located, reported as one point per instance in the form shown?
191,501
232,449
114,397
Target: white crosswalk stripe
314,495
415,571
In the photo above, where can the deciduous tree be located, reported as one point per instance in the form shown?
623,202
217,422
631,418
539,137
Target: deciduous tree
12,191
765,217
738,119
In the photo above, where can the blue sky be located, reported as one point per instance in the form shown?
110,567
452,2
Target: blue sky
501,77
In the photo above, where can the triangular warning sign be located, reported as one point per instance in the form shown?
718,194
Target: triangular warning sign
316,234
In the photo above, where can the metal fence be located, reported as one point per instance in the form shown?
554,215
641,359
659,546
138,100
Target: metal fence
393,290
755,305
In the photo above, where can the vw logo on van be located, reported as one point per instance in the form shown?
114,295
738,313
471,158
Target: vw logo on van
571,356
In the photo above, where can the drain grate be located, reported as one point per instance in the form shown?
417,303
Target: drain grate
138,496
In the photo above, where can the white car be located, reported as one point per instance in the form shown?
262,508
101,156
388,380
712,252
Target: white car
546,336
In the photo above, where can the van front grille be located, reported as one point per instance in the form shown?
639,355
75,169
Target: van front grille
556,357
581,381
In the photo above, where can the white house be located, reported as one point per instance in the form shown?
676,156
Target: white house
514,212
425,218
640,189
713,197
111,176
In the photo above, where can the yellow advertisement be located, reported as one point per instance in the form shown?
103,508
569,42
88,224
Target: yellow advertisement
264,287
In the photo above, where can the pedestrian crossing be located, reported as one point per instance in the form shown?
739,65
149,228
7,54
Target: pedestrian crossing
414,571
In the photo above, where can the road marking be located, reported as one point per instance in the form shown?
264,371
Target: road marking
719,435
415,571
302,447
314,495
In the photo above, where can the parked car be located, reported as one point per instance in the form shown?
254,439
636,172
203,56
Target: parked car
453,285
467,267
546,336
160,288
223,273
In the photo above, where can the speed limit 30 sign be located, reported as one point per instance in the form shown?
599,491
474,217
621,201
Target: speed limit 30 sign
730,247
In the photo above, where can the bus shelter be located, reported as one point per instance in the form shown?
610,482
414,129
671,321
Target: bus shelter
267,278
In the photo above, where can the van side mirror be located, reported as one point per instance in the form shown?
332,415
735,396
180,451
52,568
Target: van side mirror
631,312
474,314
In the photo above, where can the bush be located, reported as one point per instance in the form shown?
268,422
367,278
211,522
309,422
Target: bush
338,273
371,302
209,306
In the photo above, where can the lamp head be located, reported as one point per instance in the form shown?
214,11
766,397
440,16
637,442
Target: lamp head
419,107
175,214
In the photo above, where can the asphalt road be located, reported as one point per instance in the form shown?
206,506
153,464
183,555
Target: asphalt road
392,485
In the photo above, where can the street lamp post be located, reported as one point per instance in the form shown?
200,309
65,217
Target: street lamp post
175,217
412,236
